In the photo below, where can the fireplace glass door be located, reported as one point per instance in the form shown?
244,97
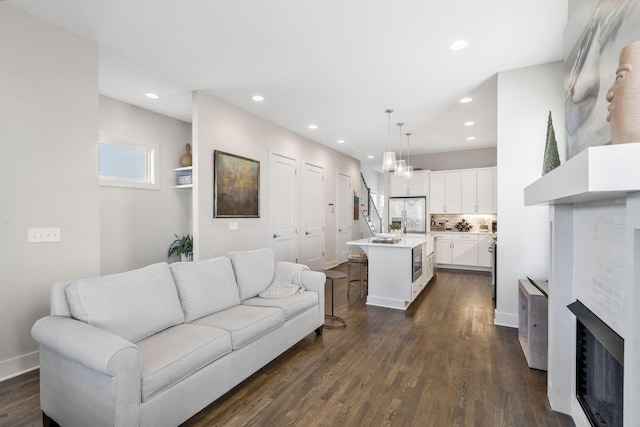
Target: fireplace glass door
599,380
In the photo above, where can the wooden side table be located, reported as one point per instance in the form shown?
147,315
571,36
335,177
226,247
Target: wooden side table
333,276
532,324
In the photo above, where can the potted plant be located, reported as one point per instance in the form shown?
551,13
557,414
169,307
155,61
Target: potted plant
395,228
182,246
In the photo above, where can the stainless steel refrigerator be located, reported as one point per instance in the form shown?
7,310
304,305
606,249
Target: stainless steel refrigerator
410,212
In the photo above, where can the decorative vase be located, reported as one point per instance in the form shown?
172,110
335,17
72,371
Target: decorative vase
186,257
186,159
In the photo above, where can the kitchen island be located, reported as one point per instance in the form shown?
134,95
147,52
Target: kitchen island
398,271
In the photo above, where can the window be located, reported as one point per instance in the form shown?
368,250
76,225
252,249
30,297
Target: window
127,162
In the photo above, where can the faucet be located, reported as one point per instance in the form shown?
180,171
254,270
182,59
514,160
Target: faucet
406,220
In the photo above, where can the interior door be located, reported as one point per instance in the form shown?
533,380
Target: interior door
312,221
282,207
344,208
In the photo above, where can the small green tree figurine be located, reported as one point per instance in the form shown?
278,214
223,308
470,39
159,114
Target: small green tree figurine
551,157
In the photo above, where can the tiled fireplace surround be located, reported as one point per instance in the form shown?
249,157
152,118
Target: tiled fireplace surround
594,203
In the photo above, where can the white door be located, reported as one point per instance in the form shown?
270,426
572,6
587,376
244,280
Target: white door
282,207
312,221
344,207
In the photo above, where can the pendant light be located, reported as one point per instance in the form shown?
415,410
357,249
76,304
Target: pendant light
400,164
389,158
408,171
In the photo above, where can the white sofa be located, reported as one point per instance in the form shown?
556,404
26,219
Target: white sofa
153,346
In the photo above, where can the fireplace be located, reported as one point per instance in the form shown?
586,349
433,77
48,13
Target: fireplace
599,368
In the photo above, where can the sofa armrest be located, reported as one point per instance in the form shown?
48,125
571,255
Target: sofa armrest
88,376
89,346
313,281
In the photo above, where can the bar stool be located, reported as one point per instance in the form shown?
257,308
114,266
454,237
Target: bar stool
333,276
360,260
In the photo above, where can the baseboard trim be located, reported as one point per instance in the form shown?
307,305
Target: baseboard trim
19,365
331,263
505,319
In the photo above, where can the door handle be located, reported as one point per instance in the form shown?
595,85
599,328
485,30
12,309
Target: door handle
306,233
275,235
339,230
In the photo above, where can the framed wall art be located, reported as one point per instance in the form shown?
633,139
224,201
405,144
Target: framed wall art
236,186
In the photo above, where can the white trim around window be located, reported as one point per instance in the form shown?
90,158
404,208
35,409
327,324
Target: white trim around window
128,162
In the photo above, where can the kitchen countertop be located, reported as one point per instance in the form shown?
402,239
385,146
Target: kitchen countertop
405,242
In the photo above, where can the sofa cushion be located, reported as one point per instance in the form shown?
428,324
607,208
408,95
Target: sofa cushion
171,355
254,271
205,287
245,323
132,305
292,305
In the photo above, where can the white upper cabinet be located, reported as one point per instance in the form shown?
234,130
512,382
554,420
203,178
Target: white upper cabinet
485,190
445,192
477,192
418,185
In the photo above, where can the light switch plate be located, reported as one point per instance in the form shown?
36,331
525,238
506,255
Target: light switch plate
233,225
42,235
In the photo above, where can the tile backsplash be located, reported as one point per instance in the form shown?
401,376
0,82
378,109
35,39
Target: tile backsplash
440,222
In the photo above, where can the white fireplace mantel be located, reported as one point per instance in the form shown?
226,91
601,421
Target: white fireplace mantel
594,258
597,173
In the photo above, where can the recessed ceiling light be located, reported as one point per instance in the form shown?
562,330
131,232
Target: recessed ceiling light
341,141
370,157
471,138
152,95
313,126
258,98
458,45
469,123
466,100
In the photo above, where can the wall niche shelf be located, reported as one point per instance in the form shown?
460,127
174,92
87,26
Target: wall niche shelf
184,177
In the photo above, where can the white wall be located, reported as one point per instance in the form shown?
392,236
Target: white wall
525,97
465,159
218,125
138,225
48,134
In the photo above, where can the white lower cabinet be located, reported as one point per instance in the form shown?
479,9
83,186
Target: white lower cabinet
484,257
443,248
463,249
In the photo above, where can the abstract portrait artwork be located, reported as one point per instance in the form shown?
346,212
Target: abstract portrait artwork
596,33
236,186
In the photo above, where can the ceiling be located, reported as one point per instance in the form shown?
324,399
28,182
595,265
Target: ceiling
336,64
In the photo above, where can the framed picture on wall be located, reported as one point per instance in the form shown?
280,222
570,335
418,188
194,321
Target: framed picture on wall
356,207
236,186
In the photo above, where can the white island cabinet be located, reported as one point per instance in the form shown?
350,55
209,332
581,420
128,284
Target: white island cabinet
391,269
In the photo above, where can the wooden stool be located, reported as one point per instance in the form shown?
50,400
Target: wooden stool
361,260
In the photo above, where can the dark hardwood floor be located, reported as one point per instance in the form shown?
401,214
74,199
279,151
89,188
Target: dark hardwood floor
440,363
